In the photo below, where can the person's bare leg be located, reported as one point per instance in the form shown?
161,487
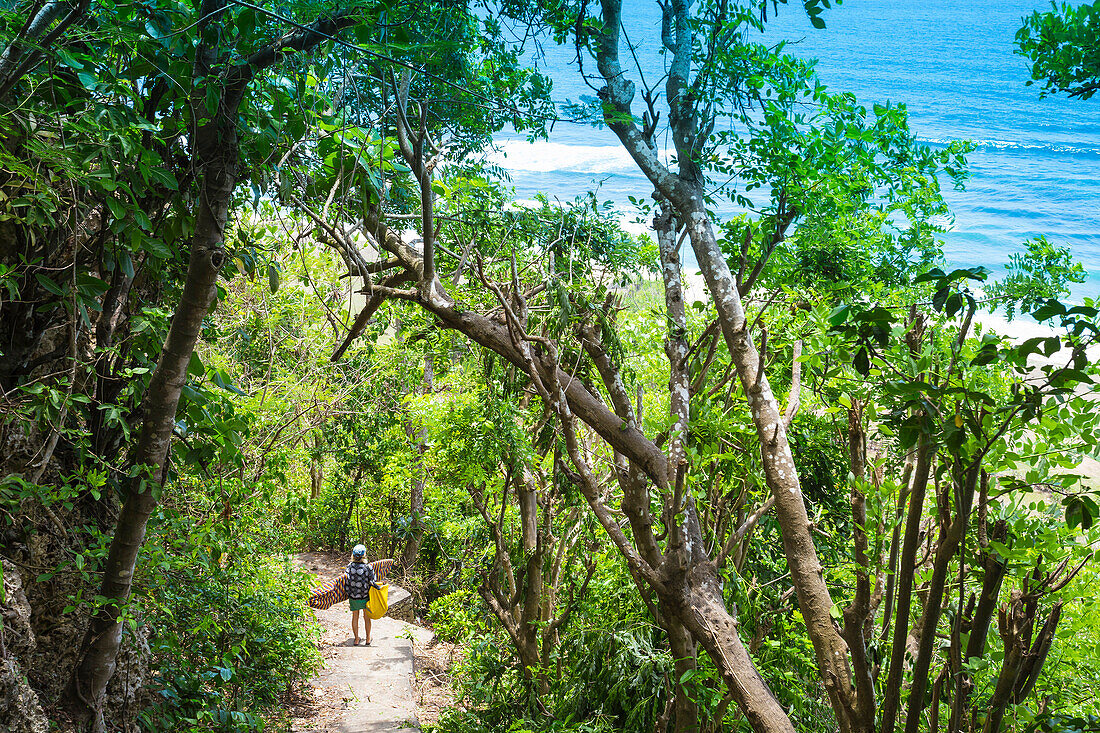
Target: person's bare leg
355,625
366,630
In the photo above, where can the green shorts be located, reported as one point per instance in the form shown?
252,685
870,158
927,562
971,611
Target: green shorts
358,605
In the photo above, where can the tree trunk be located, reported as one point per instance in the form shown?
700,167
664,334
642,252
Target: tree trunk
858,614
1023,660
215,153
906,570
35,36
534,587
994,568
694,595
950,538
687,584
316,468
895,544
100,647
686,193
35,27
416,491
685,713
807,573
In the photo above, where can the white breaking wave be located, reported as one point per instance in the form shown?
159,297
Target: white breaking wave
541,156
1013,145
549,157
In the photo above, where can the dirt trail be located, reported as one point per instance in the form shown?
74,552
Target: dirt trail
371,687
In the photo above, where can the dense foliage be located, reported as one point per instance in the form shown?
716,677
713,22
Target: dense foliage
1063,45
261,293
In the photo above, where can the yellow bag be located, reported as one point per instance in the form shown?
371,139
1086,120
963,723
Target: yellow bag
378,601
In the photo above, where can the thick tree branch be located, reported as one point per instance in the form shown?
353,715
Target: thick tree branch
619,94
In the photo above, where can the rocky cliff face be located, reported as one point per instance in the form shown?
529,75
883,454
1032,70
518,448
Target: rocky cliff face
38,651
41,632
20,710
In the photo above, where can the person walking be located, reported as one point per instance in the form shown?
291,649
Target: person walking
361,579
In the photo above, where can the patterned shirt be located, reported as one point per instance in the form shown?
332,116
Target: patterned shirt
360,580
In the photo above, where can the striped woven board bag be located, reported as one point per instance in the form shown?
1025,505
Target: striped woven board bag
336,590
382,569
331,592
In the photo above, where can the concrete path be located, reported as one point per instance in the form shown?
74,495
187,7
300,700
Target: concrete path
376,681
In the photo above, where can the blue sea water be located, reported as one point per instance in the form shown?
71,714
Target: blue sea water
1036,168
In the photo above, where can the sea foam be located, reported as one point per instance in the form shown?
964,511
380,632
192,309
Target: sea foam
551,157
1029,148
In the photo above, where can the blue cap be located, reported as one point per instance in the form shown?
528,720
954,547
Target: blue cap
359,551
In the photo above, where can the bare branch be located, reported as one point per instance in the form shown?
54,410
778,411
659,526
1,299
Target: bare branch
747,526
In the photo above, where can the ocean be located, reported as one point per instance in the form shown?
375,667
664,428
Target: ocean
1035,170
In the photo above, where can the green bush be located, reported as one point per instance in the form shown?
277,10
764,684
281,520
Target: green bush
607,680
618,676
455,616
230,632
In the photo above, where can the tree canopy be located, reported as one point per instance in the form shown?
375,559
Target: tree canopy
264,292
1063,46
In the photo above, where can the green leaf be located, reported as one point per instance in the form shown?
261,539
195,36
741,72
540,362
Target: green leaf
839,315
954,302
862,362
969,273
986,355
69,60
934,274
49,285
273,278
156,247
1031,346
1079,513
116,207
143,220
1048,309
246,23
940,298
126,263
90,287
195,367
164,178
223,380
